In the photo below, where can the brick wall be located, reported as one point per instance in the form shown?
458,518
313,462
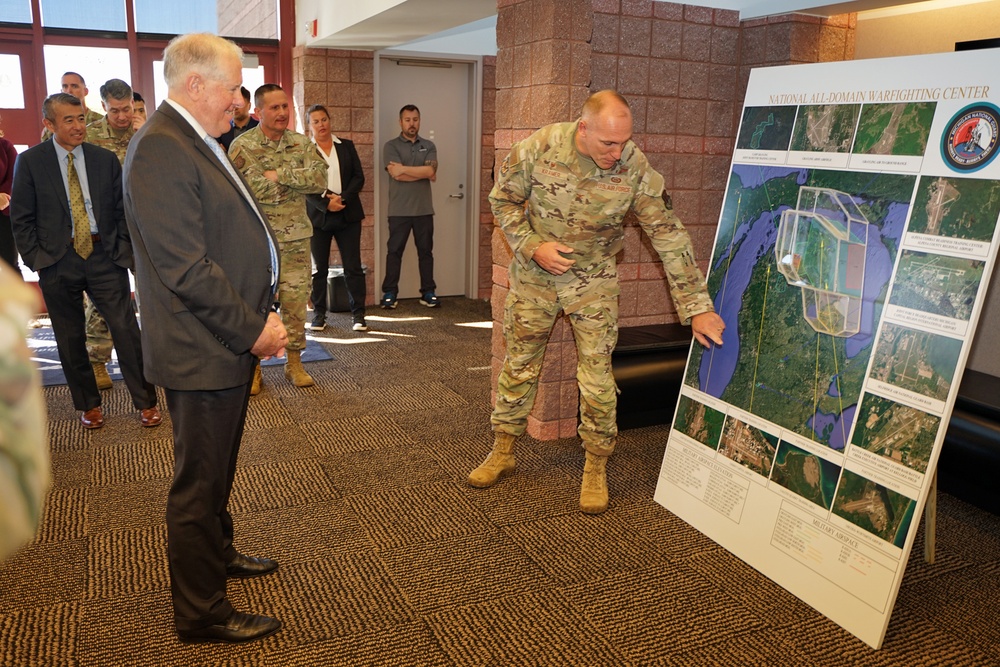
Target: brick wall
343,81
678,66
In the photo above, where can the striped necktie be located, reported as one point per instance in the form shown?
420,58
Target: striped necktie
83,243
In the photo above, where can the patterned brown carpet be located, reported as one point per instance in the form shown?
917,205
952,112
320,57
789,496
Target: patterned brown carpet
388,558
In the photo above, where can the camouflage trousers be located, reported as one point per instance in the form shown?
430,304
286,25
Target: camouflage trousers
293,290
528,321
99,341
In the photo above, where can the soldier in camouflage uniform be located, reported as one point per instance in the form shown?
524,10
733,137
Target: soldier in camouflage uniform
120,123
282,167
578,181
112,132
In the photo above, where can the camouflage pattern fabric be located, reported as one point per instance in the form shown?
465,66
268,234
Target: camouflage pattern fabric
294,285
546,191
528,320
100,133
99,343
301,170
24,448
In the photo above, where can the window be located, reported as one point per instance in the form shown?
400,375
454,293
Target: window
11,86
95,64
175,17
90,15
15,11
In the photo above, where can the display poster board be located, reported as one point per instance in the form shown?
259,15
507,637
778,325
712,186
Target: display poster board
856,240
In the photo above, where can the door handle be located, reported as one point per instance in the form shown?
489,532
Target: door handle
460,195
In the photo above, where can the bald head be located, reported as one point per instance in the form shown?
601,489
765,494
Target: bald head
605,103
604,128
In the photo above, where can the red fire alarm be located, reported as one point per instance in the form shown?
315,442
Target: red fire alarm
313,28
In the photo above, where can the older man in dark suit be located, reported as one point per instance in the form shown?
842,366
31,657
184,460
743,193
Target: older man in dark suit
207,270
69,226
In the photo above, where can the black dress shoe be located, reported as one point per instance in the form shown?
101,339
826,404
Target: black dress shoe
242,566
239,627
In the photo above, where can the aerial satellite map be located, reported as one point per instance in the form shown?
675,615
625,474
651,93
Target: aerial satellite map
800,272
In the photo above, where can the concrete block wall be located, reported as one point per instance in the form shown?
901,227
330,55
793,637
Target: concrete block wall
257,19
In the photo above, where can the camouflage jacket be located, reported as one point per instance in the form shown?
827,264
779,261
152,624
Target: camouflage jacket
546,191
101,134
301,171
24,445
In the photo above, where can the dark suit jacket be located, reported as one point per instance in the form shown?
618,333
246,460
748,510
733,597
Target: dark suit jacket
202,259
352,179
43,226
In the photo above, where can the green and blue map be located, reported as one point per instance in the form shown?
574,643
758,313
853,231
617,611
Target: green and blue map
774,362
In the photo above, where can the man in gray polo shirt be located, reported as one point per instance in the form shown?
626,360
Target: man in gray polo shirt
411,162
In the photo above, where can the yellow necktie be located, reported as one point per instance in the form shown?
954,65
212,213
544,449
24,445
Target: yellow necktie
82,242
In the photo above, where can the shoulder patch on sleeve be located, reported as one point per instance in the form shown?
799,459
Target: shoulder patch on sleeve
239,162
505,165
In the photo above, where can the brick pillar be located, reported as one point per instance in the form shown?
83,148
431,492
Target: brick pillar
343,82
683,70
542,76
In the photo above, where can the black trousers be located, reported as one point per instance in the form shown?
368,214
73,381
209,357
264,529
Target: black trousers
208,427
423,237
8,251
348,237
63,285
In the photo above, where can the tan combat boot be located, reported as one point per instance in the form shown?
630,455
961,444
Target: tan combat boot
294,372
101,375
258,381
499,462
594,490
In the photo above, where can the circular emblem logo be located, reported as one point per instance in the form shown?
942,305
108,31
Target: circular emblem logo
971,138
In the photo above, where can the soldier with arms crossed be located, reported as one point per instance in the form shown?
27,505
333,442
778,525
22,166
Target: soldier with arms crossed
282,167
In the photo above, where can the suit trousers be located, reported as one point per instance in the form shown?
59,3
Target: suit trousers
8,251
63,285
348,237
208,427
423,237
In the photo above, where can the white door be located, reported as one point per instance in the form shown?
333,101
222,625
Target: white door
443,93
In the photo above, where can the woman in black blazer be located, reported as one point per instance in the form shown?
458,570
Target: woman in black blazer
337,215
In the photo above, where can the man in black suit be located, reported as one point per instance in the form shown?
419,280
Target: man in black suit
337,214
207,270
69,226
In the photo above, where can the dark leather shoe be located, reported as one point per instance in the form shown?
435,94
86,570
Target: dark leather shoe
92,418
243,567
239,627
150,417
